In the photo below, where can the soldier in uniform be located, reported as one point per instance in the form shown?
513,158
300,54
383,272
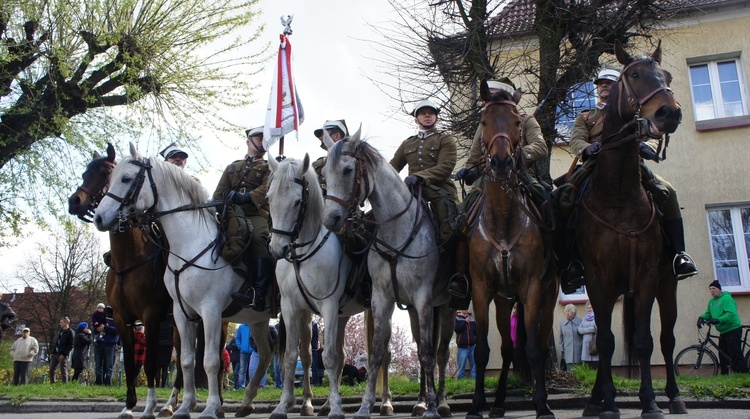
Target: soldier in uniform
246,183
585,142
534,150
431,157
175,155
336,130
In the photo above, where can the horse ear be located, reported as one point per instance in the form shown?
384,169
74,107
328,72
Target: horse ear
273,164
622,56
357,135
110,153
484,91
133,152
96,154
657,53
305,163
517,95
327,139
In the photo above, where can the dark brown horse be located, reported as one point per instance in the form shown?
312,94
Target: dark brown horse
620,237
508,260
135,286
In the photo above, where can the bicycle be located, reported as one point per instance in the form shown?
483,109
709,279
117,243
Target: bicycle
700,360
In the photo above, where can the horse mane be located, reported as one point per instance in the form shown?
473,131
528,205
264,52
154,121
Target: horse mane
177,179
369,154
285,175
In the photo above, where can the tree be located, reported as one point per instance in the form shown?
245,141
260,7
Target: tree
75,74
404,358
444,48
70,274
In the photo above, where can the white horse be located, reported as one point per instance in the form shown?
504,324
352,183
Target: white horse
313,274
199,286
403,261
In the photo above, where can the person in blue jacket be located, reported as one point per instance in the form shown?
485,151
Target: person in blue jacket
243,342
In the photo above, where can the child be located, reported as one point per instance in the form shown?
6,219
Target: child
98,318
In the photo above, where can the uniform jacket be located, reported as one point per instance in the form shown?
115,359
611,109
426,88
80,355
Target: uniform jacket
317,166
571,340
587,328
24,350
587,128
255,181
534,149
723,308
432,158
63,342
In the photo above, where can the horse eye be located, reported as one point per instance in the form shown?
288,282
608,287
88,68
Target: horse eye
635,75
126,179
296,203
347,171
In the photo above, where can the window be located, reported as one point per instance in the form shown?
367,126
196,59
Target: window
718,88
580,97
729,229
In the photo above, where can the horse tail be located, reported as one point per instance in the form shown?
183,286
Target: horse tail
628,328
281,346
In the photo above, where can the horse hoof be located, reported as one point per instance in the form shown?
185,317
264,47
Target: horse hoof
324,410
306,411
150,416
609,415
444,411
277,416
336,416
471,415
546,416
419,409
127,415
181,416
591,410
497,412
364,416
244,411
386,410
431,414
677,407
207,416
166,412
652,415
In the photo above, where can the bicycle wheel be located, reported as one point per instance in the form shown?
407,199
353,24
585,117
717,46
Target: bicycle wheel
695,360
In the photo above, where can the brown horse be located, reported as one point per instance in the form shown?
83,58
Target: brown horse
620,237
135,286
508,261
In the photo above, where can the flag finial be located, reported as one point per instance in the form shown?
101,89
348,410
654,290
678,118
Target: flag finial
287,23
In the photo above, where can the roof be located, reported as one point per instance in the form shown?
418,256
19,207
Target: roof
517,18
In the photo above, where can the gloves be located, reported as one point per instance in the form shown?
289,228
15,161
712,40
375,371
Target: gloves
412,180
714,321
647,152
701,322
590,151
468,175
239,198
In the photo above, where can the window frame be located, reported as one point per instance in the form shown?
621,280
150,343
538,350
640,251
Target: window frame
585,94
741,250
720,120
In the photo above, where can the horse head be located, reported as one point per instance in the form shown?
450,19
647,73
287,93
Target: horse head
7,315
84,200
128,193
501,130
643,92
293,197
349,173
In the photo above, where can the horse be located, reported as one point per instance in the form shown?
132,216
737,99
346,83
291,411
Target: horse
617,214
179,202
403,263
508,261
7,317
135,286
314,276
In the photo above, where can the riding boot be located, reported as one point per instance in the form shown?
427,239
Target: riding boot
459,286
572,277
244,296
683,265
264,271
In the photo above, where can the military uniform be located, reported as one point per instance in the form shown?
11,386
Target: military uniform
317,166
431,155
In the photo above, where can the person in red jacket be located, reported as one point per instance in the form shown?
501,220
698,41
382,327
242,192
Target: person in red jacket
225,363
139,345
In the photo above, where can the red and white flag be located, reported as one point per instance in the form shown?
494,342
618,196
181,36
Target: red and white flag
284,113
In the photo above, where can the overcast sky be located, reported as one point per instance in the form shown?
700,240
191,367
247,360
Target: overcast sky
332,62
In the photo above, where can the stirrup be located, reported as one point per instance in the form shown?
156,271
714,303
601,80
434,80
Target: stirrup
246,300
687,265
572,278
458,286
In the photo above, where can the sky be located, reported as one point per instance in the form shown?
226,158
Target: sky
334,62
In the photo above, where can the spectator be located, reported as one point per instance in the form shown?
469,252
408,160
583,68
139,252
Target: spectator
98,318
61,347
276,367
104,350
139,346
587,328
234,357
360,363
164,352
520,363
81,344
226,363
570,340
314,346
23,351
254,363
466,340
243,342
722,313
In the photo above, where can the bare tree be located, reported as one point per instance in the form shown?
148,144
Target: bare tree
444,48
70,276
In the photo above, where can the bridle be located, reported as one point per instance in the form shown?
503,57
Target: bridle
361,176
95,198
502,135
626,90
135,189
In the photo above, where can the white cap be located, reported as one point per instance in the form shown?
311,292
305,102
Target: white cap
254,131
100,305
330,124
172,150
503,84
608,74
427,103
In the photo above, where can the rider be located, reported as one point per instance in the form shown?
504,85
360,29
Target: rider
336,130
247,183
534,150
175,155
585,142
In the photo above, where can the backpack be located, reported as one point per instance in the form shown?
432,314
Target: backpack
237,232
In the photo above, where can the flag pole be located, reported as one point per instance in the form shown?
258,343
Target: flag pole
287,24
